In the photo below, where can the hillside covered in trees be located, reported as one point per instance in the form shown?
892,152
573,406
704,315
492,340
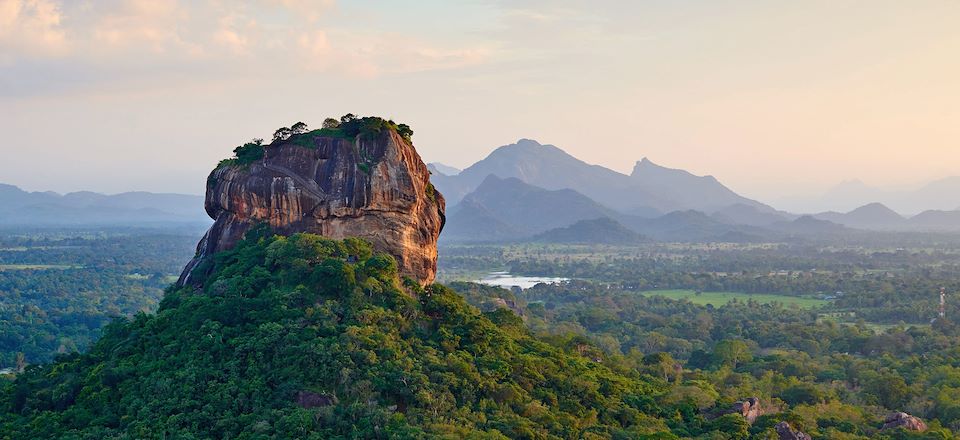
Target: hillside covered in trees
305,337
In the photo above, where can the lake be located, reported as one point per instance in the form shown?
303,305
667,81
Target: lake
506,280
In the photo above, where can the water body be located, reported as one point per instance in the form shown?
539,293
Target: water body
505,280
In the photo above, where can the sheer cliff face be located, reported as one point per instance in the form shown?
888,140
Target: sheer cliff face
377,189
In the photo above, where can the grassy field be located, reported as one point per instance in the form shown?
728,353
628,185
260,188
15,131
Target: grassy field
720,298
36,266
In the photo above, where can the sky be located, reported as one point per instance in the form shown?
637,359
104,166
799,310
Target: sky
772,98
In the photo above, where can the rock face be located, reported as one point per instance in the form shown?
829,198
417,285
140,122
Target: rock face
376,188
749,408
786,432
905,421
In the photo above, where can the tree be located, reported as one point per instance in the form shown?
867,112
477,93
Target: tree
802,393
331,123
732,352
298,128
282,134
347,118
404,131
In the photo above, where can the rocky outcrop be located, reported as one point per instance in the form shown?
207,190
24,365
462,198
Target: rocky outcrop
786,432
905,421
749,408
373,187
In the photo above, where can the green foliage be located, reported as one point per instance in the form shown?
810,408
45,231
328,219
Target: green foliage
106,273
279,316
331,123
802,393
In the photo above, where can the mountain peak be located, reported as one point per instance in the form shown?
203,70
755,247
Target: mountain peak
527,142
646,162
874,207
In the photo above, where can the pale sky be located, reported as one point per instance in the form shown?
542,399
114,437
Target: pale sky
773,98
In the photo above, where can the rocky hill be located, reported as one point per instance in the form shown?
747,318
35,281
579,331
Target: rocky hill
295,335
372,187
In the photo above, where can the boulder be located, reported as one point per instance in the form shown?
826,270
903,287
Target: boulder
786,432
905,421
749,408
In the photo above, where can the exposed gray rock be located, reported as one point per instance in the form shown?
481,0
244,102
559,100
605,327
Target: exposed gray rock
786,432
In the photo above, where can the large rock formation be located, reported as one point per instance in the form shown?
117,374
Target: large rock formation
373,187
905,421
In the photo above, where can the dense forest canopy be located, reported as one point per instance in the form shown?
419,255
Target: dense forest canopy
58,288
305,337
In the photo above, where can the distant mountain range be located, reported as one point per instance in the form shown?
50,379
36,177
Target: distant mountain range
940,195
512,210
529,191
650,190
876,216
19,207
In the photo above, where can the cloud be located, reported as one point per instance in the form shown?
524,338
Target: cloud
31,26
110,43
311,10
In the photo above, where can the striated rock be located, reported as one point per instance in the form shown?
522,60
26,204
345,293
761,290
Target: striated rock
749,408
905,421
786,432
373,187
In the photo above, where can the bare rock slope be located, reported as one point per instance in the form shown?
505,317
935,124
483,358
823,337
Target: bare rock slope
373,187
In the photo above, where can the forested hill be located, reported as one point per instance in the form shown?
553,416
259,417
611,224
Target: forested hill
306,337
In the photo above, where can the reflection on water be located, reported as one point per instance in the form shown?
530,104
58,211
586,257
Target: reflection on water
504,279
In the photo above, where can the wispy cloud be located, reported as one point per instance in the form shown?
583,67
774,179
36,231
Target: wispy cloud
208,36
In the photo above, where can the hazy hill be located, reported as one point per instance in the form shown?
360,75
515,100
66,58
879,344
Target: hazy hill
688,225
18,207
876,216
942,194
935,220
870,216
602,230
470,221
688,191
509,208
649,191
446,170
809,225
742,214
548,167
